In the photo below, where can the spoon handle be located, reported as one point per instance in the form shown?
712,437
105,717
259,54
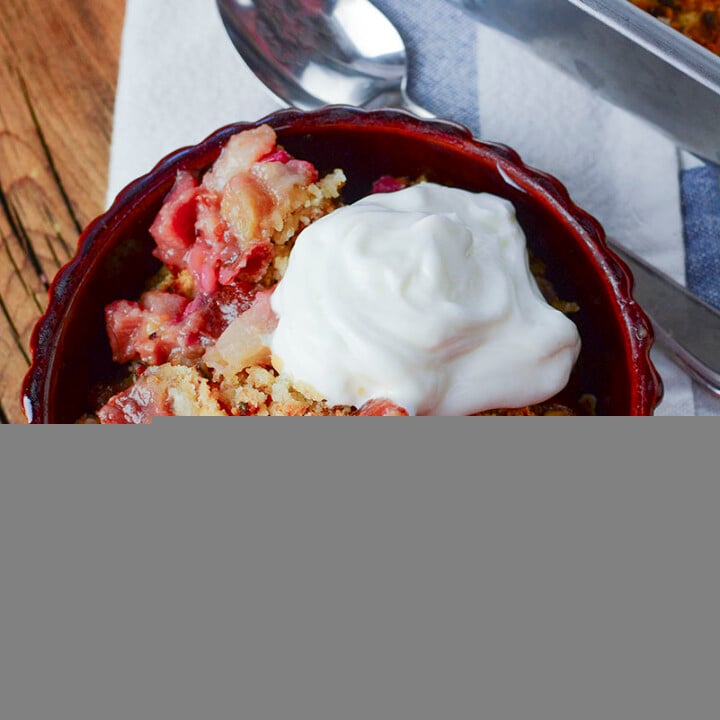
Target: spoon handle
685,324
413,107
409,104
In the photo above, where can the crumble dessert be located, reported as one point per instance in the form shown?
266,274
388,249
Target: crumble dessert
198,341
698,19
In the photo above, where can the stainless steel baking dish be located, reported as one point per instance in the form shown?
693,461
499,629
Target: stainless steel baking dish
625,55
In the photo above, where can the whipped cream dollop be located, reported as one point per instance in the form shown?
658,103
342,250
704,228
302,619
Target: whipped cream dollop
422,296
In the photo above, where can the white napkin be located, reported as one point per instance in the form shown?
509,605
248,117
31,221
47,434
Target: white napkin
180,78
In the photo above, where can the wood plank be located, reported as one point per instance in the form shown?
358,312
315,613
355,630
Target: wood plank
58,69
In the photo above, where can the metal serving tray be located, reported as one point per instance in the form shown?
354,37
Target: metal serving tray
624,54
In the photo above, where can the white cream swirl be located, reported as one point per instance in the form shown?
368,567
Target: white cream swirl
422,296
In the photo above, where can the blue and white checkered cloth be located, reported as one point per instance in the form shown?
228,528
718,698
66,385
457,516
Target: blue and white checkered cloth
700,187
180,78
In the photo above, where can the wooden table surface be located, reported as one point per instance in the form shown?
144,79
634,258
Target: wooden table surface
58,69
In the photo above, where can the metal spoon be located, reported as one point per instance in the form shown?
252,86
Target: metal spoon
311,53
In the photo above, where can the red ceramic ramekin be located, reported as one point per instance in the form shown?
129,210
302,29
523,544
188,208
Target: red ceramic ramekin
71,353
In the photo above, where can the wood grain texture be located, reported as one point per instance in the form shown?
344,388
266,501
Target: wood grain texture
58,70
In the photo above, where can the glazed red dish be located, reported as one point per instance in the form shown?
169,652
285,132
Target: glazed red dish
159,279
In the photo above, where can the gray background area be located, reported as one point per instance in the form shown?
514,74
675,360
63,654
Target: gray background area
428,568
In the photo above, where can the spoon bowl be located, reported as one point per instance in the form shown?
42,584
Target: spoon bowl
312,53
